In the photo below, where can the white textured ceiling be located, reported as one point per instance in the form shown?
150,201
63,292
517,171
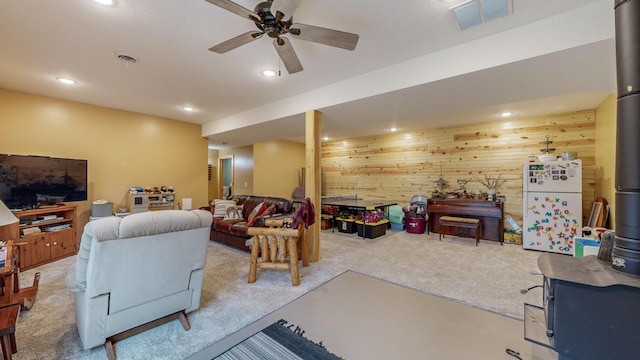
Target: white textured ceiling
413,68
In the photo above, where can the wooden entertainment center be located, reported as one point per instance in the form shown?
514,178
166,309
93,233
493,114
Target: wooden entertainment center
46,234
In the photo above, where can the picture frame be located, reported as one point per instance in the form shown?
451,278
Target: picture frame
595,215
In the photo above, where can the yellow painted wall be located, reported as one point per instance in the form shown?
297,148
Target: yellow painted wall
606,153
123,149
242,169
277,167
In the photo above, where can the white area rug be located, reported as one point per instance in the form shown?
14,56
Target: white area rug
488,276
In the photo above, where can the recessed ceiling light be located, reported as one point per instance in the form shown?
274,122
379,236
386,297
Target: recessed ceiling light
326,138
66,81
506,114
104,2
393,129
189,108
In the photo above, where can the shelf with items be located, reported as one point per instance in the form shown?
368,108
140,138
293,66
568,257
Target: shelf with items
140,202
46,234
161,201
45,225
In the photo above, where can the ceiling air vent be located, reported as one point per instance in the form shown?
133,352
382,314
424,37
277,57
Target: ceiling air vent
475,12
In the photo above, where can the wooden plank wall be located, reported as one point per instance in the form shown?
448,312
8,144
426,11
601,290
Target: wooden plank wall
396,166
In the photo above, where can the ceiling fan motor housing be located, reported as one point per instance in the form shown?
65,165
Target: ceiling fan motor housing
269,24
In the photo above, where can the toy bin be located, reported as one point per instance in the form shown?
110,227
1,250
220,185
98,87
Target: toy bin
415,225
372,230
346,226
396,214
397,227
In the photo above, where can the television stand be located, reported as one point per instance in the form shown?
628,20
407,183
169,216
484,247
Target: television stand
45,234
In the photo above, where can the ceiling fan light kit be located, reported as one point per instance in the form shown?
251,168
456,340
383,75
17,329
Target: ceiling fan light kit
274,18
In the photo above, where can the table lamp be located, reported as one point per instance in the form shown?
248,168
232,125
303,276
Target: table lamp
6,218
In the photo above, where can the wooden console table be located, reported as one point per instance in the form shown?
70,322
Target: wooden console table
490,214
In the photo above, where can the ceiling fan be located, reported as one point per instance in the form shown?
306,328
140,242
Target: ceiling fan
274,18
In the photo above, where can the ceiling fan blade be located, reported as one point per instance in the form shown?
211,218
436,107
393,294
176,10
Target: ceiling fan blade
287,55
336,38
286,7
235,8
236,42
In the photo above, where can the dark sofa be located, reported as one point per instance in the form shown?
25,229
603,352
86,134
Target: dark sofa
233,232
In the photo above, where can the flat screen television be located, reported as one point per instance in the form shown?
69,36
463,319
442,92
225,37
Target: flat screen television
31,181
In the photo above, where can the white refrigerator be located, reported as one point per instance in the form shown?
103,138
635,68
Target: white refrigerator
552,205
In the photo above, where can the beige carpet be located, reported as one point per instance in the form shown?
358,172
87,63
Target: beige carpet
489,276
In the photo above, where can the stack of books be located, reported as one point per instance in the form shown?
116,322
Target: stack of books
31,231
56,227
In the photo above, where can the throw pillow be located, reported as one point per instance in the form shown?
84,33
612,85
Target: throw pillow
233,212
220,207
270,210
257,211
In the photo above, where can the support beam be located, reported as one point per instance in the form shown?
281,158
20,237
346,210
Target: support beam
312,178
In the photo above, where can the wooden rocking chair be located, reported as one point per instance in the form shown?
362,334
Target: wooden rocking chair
280,248
10,290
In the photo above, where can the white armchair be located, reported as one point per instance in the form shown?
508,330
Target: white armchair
142,268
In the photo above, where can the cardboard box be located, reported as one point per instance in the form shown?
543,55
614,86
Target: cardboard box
327,221
512,238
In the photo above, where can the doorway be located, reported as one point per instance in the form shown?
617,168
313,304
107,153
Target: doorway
226,176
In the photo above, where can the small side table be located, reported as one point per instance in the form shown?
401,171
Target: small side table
8,318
